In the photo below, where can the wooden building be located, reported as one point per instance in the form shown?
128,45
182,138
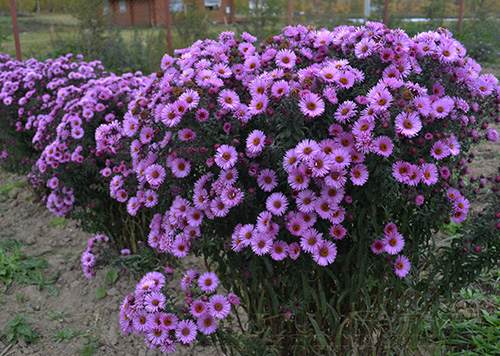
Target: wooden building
152,12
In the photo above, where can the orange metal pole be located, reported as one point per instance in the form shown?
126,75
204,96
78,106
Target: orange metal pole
460,15
290,12
16,29
168,22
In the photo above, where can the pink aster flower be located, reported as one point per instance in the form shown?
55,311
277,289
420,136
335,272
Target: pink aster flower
459,216
180,247
337,231
208,282
267,180
378,247
408,124
228,99
442,107
279,250
206,324
325,253
180,168
310,240
186,331
258,104
429,173
285,58
154,302
219,306
306,149
198,308
345,111
155,175
312,105
277,204
294,250
280,88
402,266
187,135
261,243
440,150
255,141
394,243
383,146
359,174
226,156
298,179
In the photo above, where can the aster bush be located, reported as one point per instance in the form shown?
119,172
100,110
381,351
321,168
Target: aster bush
29,92
313,171
155,311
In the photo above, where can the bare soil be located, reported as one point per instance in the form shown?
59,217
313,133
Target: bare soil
28,221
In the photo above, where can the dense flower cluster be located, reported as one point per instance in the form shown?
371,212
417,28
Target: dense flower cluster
296,127
71,125
29,94
150,310
92,254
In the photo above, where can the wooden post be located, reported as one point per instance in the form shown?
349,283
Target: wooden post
15,29
290,12
168,23
386,10
460,15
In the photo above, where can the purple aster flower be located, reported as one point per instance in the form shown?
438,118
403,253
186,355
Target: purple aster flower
310,240
219,306
324,253
383,146
337,231
258,104
402,266
440,150
492,135
277,204
206,324
228,99
345,111
285,58
255,141
226,156
186,331
279,250
294,250
312,105
378,247
359,174
267,180
429,173
280,88
408,124
208,282
198,308
298,179
180,168
154,302
394,243
261,243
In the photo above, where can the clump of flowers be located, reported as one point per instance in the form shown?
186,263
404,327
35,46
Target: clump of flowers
71,159
297,152
29,94
92,254
151,310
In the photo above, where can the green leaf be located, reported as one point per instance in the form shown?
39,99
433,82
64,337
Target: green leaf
100,292
111,276
52,290
319,333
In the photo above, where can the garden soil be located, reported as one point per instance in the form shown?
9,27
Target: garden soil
76,307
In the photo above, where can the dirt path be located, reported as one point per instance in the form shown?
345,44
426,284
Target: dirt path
94,322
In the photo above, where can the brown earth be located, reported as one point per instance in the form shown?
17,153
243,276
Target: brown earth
76,306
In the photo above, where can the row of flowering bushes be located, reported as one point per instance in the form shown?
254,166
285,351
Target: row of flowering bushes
50,111
311,172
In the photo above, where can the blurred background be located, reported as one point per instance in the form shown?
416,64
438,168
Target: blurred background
130,35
